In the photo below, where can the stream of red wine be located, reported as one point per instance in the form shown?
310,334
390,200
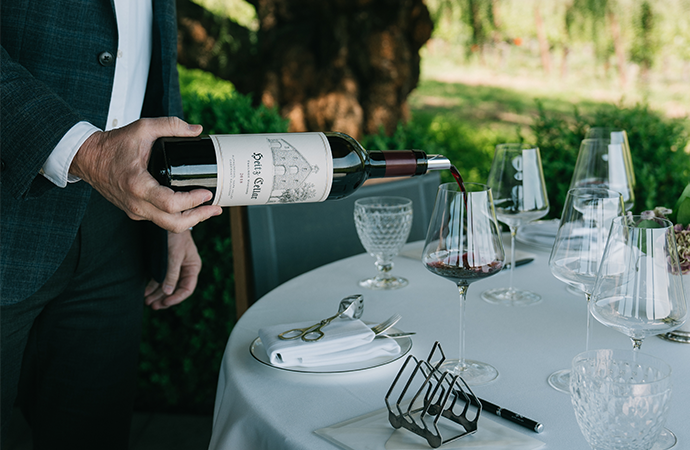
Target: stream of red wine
458,177
456,174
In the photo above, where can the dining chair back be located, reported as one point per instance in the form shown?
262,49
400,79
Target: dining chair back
272,244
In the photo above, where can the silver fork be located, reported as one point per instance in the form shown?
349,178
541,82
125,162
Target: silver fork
386,324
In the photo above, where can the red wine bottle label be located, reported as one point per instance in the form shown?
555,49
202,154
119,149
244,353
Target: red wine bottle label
258,169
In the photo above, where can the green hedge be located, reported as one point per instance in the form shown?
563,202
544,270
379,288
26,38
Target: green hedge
182,346
658,147
469,149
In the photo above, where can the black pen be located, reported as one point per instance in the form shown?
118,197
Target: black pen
519,262
509,415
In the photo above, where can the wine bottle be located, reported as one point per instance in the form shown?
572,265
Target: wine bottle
246,169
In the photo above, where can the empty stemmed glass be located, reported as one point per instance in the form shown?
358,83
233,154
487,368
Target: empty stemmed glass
619,138
579,247
604,161
463,244
383,225
639,288
517,184
605,164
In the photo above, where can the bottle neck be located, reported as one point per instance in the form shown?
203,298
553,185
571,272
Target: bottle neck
404,163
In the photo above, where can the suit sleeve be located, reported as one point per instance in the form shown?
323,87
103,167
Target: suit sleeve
33,120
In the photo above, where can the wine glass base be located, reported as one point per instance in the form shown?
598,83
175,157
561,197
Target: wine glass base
666,440
510,297
575,291
383,284
474,373
560,381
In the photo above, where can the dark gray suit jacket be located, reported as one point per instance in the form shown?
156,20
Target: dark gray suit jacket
55,73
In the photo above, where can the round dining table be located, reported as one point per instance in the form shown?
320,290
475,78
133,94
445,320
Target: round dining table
259,406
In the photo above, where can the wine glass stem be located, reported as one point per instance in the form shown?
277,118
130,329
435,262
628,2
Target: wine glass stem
637,344
462,288
588,297
384,267
513,232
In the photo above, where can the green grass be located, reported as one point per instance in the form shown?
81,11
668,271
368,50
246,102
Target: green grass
498,108
502,97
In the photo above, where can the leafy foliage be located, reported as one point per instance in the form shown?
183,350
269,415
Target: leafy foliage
681,212
182,346
661,164
645,47
658,147
214,104
558,141
471,150
568,22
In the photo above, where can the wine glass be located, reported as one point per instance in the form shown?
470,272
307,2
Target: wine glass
463,244
618,137
604,160
383,225
605,164
517,184
639,288
579,247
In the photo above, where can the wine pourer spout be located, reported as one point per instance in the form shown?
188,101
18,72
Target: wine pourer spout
438,162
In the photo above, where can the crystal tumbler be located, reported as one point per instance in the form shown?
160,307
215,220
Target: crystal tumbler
621,399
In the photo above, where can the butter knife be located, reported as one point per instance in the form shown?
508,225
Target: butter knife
395,335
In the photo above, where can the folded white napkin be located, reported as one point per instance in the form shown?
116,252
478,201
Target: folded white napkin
344,341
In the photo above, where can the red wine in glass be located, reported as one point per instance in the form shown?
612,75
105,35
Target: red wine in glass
463,245
462,273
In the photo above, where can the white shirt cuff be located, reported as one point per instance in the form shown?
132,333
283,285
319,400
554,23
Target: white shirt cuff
56,167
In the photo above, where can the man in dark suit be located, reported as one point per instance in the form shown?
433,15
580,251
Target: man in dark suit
78,209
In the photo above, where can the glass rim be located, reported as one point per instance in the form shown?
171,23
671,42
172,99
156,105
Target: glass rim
516,146
593,190
630,355
395,201
595,141
609,129
452,186
629,221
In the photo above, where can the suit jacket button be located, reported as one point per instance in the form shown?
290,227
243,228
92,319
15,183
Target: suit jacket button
106,59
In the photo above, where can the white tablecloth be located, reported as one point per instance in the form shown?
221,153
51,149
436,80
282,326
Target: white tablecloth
260,407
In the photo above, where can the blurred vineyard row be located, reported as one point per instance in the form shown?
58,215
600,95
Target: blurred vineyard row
628,37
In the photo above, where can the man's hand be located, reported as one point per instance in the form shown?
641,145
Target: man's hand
184,265
115,164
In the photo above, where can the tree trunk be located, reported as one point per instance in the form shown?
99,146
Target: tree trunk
618,48
543,41
215,44
564,62
341,65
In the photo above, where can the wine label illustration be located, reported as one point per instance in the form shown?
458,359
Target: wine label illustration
261,168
